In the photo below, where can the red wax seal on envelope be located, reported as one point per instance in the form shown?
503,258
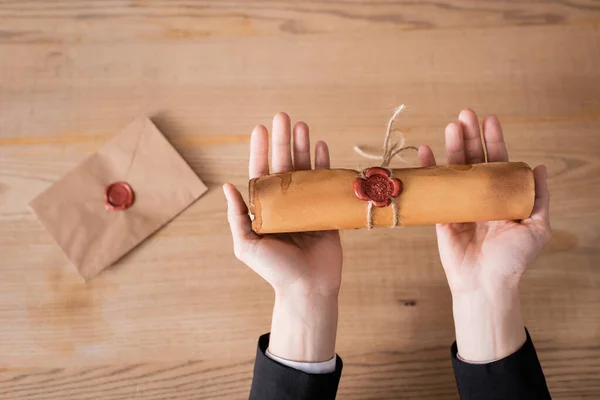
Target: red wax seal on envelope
377,187
118,196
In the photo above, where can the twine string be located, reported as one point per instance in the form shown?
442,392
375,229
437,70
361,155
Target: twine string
390,150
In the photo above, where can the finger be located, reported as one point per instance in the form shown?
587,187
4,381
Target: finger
301,146
282,154
472,136
426,157
494,139
455,145
541,207
237,216
321,155
259,152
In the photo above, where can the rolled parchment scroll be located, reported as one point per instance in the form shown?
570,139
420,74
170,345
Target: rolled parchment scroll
317,200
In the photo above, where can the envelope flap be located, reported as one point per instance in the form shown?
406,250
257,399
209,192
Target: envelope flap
161,178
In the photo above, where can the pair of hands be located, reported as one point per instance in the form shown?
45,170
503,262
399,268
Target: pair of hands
483,261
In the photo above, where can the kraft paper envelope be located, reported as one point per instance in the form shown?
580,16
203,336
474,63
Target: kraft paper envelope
73,209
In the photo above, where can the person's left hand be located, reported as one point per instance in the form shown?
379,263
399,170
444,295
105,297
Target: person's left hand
484,261
303,268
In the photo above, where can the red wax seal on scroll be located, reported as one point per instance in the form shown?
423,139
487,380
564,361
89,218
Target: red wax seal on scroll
377,187
118,196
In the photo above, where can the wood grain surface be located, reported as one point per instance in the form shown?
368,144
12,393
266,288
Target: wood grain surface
179,317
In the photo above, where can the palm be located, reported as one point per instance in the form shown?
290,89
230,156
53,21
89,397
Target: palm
478,254
309,257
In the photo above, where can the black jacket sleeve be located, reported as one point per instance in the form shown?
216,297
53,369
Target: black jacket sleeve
276,381
518,376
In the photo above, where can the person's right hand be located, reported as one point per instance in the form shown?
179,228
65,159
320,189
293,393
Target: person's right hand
303,268
484,261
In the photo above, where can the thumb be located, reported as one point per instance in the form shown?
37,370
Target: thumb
541,207
238,218
540,216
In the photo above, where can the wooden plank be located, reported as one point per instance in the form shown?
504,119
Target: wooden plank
179,317
68,22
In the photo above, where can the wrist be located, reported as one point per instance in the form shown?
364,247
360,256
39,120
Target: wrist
488,323
304,327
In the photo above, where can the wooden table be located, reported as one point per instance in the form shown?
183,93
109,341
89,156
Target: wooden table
178,318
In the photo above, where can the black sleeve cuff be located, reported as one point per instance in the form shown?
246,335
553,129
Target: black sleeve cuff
276,381
518,376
